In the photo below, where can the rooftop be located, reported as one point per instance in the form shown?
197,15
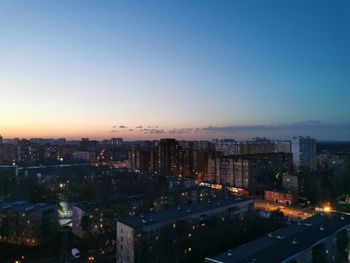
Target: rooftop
123,199
285,242
22,206
180,212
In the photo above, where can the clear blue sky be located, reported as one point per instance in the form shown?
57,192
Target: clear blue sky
245,68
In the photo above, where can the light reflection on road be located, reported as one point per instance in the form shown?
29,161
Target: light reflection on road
290,211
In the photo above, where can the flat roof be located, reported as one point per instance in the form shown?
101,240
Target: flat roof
129,198
180,212
22,206
280,245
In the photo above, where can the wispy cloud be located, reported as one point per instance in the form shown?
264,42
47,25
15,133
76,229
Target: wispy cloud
183,130
153,131
312,126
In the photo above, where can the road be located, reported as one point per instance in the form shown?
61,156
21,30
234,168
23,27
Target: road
290,211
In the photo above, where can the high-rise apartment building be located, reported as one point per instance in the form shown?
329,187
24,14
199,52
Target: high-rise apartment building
168,157
142,159
252,171
304,151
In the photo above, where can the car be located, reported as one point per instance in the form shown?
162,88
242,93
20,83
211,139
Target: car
75,253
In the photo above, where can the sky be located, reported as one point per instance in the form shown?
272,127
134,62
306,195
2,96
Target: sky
189,69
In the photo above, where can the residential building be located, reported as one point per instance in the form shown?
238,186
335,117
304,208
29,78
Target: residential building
168,157
321,238
117,141
27,224
132,233
304,151
290,182
253,172
96,218
84,156
285,197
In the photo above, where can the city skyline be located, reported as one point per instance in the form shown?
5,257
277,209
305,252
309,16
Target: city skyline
187,70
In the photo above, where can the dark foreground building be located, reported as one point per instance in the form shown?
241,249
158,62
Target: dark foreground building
27,224
321,238
134,233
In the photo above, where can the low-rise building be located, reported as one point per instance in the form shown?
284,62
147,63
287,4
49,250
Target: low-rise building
285,197
132,233
321,238
96,218
27,224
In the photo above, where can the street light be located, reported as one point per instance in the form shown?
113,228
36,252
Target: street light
327,208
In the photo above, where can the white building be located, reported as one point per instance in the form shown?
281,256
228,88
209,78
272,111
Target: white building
304,151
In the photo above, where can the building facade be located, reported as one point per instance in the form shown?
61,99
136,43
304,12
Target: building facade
281,197
27,224
304,151
132,234
250,172
321,238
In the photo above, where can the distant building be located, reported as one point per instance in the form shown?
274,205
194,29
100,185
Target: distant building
117,141
168,157
304,151
228,147
284,147
8,153
245,171
84,156
290,182
338,161
141,159
231,147
321,238
27,224
132,233
285,197
27,153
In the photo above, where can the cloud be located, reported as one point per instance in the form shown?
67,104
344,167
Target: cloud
238,128
308,127
311,124
156,131
180,131
153,131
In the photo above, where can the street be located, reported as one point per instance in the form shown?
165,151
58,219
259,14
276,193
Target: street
289,211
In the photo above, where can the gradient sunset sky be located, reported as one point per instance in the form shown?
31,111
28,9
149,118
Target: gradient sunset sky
184,69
